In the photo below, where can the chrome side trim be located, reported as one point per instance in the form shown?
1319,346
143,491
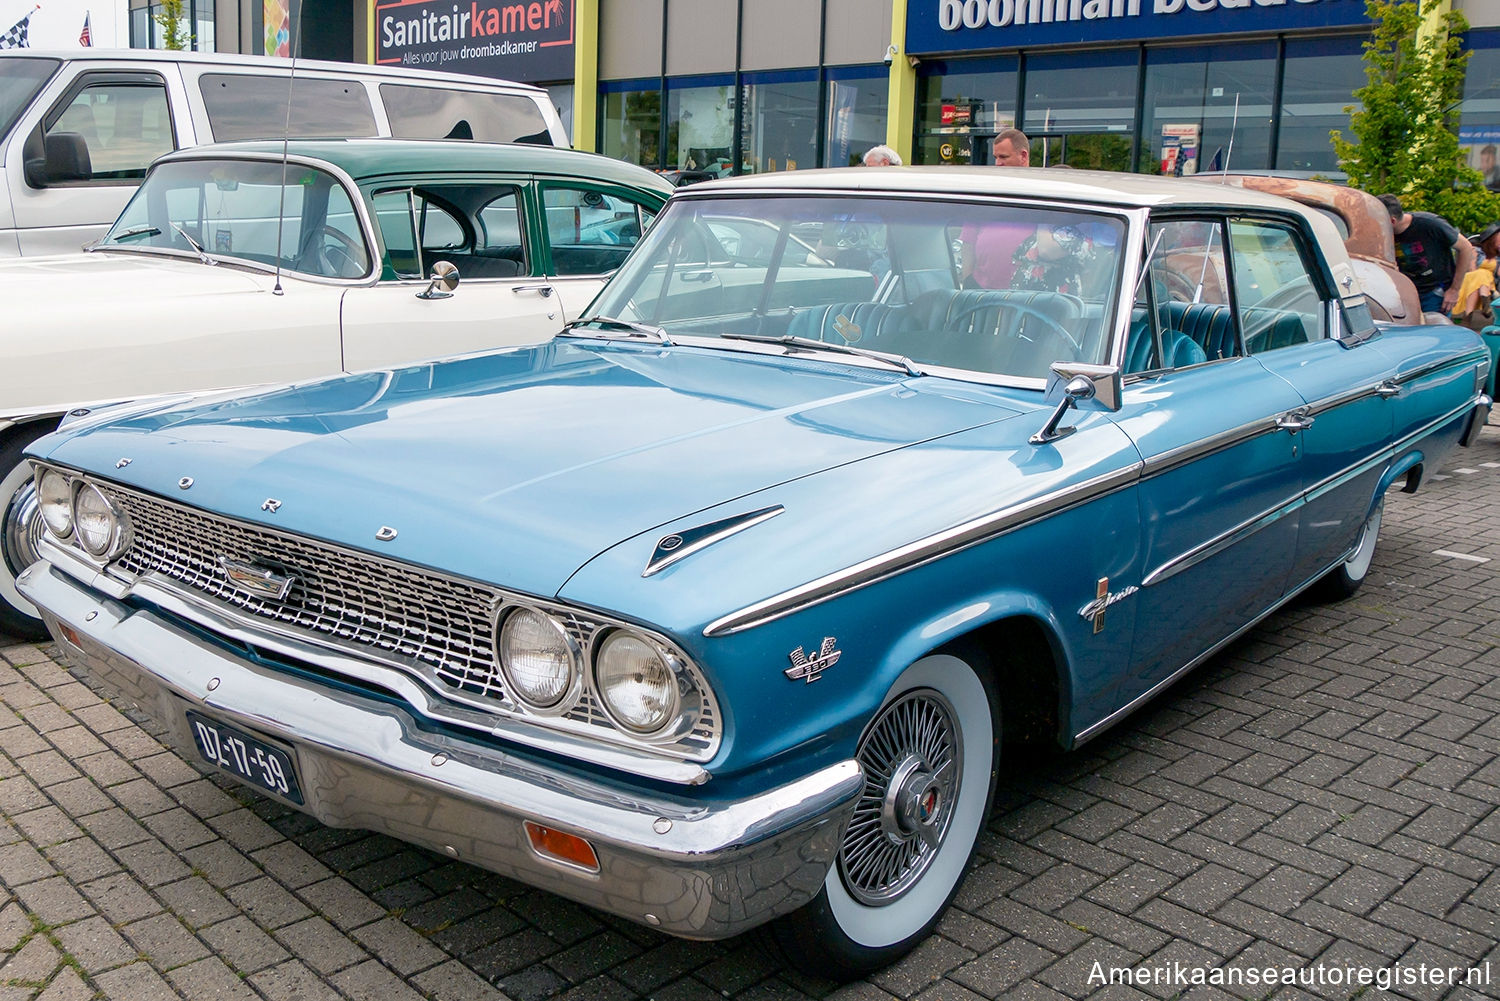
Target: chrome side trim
1221,542
1340,399
921,552
697,539
1183,454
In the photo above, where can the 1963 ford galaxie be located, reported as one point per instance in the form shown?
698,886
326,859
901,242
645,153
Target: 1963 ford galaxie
716,608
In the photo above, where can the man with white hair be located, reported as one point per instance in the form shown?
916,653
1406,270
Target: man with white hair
881,156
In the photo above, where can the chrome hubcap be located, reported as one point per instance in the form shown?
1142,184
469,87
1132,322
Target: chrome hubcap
22,525
912,759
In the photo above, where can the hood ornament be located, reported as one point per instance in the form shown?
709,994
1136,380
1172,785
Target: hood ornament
810,669
271,504
256,580
680,545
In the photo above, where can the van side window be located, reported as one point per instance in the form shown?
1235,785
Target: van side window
253,106
435,113
114,127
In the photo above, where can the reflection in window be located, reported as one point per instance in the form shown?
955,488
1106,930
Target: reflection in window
253,106
1321,76
1190,108
960,99
591,232
439,113
630,124
231,208
856,115
781,122
1479,127
700,127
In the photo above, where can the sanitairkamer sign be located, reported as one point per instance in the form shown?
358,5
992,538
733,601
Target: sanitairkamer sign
531,41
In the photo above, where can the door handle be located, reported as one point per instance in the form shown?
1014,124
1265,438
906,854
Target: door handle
545,290
1295,421
1387,389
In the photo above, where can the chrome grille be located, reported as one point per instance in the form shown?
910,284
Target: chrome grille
433,626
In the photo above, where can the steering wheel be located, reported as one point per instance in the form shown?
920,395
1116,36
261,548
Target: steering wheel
1052,324
343,256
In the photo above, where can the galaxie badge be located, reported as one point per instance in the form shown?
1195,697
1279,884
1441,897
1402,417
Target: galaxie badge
256,580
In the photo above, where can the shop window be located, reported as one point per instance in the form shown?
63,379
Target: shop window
1320,77
1080,93
630,122
780,122
700,125
1479,126
1190,114
856,112
961,104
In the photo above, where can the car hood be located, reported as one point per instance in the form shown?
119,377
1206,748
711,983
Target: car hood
519,467
112,277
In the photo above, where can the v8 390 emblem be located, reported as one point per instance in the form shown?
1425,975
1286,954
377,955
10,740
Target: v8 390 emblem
810,669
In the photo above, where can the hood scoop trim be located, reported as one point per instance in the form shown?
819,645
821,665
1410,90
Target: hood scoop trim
680,545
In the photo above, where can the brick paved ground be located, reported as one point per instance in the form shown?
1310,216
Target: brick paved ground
1322,794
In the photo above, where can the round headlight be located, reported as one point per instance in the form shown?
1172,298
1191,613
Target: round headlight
54,496
637,685
95,520
539,661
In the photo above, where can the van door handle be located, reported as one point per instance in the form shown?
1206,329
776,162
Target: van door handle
545,290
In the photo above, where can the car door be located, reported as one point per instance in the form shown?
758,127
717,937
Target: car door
589,230
1286,304
89,142
480,227
1220,480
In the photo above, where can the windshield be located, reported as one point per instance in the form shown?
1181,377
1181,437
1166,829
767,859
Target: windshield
1002,289
20,79
230,208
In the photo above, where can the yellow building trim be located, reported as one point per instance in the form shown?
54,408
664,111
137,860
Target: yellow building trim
585,74
901,102
370,34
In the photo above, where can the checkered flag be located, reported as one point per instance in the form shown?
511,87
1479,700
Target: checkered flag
16,37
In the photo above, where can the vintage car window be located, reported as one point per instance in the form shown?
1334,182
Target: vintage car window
230,208
440,113
123,126
878,273
591,232
1279,301
394,214
501,238
1182,313
441,232
253,106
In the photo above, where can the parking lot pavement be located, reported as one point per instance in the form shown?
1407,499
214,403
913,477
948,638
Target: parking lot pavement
1318,802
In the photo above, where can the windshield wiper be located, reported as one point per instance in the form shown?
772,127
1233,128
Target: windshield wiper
131,234
808,344
193,243
630,328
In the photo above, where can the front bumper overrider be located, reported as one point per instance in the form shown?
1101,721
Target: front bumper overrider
698,868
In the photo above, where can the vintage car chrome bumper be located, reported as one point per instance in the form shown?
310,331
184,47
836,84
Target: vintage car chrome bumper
695,868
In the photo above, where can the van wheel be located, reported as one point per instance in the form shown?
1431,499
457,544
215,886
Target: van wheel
930,758
20,529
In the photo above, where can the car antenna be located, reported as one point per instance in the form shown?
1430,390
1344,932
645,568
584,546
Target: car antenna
1233,125
291,80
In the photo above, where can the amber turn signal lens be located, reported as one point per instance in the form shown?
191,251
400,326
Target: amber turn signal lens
70,635
561,846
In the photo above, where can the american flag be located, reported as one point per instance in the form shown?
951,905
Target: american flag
84,38
16,37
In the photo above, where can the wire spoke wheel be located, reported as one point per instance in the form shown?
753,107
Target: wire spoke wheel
912,762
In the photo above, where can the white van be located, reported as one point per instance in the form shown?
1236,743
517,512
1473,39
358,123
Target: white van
78,127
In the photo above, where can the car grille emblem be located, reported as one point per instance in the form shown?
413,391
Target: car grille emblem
256,580
810,669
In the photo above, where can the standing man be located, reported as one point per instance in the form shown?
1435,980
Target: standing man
1431,253
987,257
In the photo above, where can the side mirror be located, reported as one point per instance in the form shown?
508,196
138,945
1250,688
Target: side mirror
35,171
444,274
1072,385
66,159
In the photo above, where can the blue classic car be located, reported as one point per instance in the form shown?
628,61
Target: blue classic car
719,607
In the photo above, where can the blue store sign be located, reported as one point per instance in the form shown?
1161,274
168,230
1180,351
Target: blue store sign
530,41
934,26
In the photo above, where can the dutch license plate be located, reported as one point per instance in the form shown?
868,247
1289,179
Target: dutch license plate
245,757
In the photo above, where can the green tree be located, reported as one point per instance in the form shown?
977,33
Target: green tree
1406,131
168,17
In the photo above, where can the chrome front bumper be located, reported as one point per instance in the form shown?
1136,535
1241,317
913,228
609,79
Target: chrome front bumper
695,868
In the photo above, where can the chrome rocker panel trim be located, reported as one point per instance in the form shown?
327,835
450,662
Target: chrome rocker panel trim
713,870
